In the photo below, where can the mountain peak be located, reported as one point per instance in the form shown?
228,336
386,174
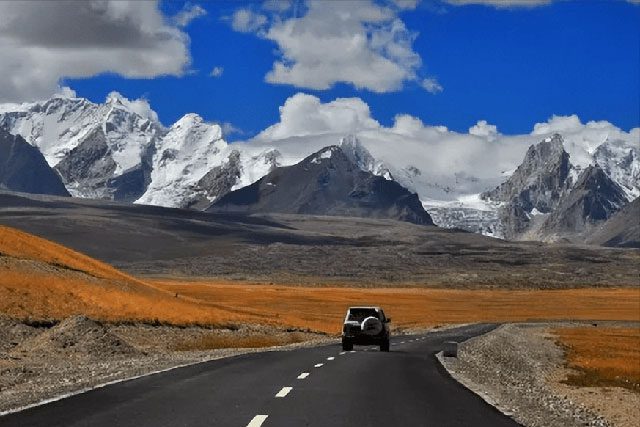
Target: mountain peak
326,183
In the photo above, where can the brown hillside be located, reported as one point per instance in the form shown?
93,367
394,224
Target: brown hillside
40,279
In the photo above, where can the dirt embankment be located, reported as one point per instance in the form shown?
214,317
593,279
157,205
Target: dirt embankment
43,361
523,371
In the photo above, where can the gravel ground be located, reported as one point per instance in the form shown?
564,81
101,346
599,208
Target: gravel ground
38,363
518,369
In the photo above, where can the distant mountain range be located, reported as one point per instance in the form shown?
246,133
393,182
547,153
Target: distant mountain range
562,190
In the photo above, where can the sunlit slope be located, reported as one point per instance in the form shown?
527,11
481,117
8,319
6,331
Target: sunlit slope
40,279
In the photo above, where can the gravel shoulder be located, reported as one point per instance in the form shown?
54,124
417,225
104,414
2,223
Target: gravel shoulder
43,362
519,369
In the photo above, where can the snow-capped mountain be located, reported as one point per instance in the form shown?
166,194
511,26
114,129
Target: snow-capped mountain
119,150
329,182
97,148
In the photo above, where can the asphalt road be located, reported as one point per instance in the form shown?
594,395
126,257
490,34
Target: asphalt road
320,386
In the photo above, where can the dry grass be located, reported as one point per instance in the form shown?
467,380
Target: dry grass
322,309
212,342
43,280
602,356
18,244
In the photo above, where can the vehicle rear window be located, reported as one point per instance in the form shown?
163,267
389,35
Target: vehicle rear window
360,314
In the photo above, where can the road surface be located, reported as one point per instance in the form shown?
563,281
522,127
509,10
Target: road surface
321,386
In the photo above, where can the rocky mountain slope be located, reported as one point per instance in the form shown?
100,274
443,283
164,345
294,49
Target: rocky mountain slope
328,182
549,198
534,188
593,199
24,169
100,150
621,230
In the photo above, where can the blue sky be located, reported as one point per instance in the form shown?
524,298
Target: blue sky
510,66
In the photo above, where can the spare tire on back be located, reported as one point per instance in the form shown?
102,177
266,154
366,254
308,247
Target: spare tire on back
371,326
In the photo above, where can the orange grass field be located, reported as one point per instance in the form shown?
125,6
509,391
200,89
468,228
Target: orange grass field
43,280
602,356
322,309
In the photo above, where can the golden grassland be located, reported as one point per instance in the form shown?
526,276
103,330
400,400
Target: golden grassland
602,356
42,280
322,309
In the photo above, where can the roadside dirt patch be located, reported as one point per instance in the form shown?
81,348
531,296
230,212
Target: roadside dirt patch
522,370
77,336
43,361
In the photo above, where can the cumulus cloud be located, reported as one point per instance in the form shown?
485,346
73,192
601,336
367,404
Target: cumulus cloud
356,42
484,129
504,4
216,72
450,163
304,114
44,42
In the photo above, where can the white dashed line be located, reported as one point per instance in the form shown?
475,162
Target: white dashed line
303,375
343,352
257,421
352,351
401,342
317,365
330,358
284,391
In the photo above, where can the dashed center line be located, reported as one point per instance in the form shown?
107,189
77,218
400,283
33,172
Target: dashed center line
303,375
343,352
284,391
257,420
352,351
317,365
330,358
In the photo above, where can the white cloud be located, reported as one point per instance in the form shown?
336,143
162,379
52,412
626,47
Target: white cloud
432,85
65,92
230,129
304,114
484,129
216,72
356,42
247,21
188,13
139,106
450,163
504,4
558,124
406,4
44,42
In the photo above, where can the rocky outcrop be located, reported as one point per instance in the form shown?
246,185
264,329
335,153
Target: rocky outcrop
326,183
535,187
593,199
217,182
621,230
24,169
